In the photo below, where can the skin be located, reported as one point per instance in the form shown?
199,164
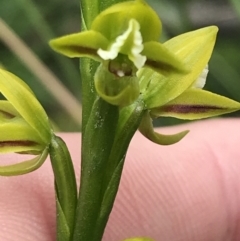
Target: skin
189,191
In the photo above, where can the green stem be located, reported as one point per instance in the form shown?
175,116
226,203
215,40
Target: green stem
96,147
103,153
65,186
99,125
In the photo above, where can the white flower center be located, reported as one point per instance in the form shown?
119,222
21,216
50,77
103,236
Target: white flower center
129,43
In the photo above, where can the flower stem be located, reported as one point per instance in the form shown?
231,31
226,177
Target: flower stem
104,148
99,129
97,142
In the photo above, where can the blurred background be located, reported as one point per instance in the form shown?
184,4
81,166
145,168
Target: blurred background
26,26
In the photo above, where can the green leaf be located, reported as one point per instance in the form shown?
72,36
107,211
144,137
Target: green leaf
63,232
146,128
194,49
65,181
160,59
25,166
23,100
196,104
120,91
84,44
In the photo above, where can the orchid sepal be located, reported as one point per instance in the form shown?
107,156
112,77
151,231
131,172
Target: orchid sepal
7,111
25,166
18,136
113,21
196,104
146,128
83,44
195,49
25,103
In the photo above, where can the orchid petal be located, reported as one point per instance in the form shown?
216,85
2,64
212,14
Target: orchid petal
201,80
162,60
129,43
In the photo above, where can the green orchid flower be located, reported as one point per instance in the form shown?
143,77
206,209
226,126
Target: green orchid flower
181,95
24,125
121,39
168,77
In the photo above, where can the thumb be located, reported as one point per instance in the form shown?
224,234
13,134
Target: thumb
187,191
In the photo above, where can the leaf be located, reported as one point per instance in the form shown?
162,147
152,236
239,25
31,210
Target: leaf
63,233
197,104
146,128
65,180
